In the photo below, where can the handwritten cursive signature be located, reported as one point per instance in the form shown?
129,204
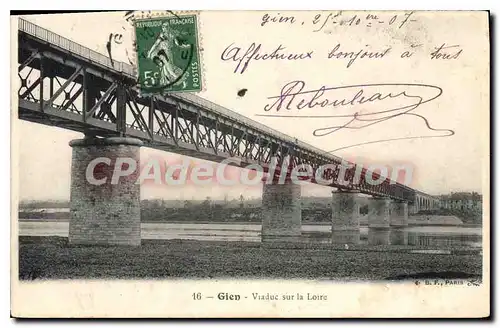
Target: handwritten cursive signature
343,98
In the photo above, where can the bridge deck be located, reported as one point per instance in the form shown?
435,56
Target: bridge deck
107,101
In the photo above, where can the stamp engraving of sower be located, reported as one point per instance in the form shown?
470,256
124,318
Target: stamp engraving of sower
162,54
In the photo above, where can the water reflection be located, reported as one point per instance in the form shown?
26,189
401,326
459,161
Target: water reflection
345,236
415,235
379,236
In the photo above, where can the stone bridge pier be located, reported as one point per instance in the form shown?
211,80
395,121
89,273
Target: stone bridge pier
345,217
281,212
105,198
388,222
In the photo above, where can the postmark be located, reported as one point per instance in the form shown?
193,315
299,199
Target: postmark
168,57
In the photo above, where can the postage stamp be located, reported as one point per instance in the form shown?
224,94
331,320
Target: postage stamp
168,58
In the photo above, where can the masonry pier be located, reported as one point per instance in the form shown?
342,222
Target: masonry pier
105,205
379,221
345,217
281,212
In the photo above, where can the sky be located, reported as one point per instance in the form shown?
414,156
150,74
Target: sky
440,165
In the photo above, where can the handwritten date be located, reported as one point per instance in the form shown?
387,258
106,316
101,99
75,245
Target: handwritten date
324,21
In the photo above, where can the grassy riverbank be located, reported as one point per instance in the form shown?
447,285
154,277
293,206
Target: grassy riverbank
52,258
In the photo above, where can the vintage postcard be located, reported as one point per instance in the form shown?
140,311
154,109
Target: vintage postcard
259,164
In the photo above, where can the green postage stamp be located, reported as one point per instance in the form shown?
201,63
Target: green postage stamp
168,58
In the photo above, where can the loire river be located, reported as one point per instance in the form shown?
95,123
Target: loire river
418,235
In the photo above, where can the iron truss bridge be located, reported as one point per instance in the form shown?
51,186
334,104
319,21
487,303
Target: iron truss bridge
70,86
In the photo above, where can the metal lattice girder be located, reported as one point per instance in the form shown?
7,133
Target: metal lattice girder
98,104
104,101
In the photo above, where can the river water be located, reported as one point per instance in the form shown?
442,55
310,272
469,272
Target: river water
417,235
